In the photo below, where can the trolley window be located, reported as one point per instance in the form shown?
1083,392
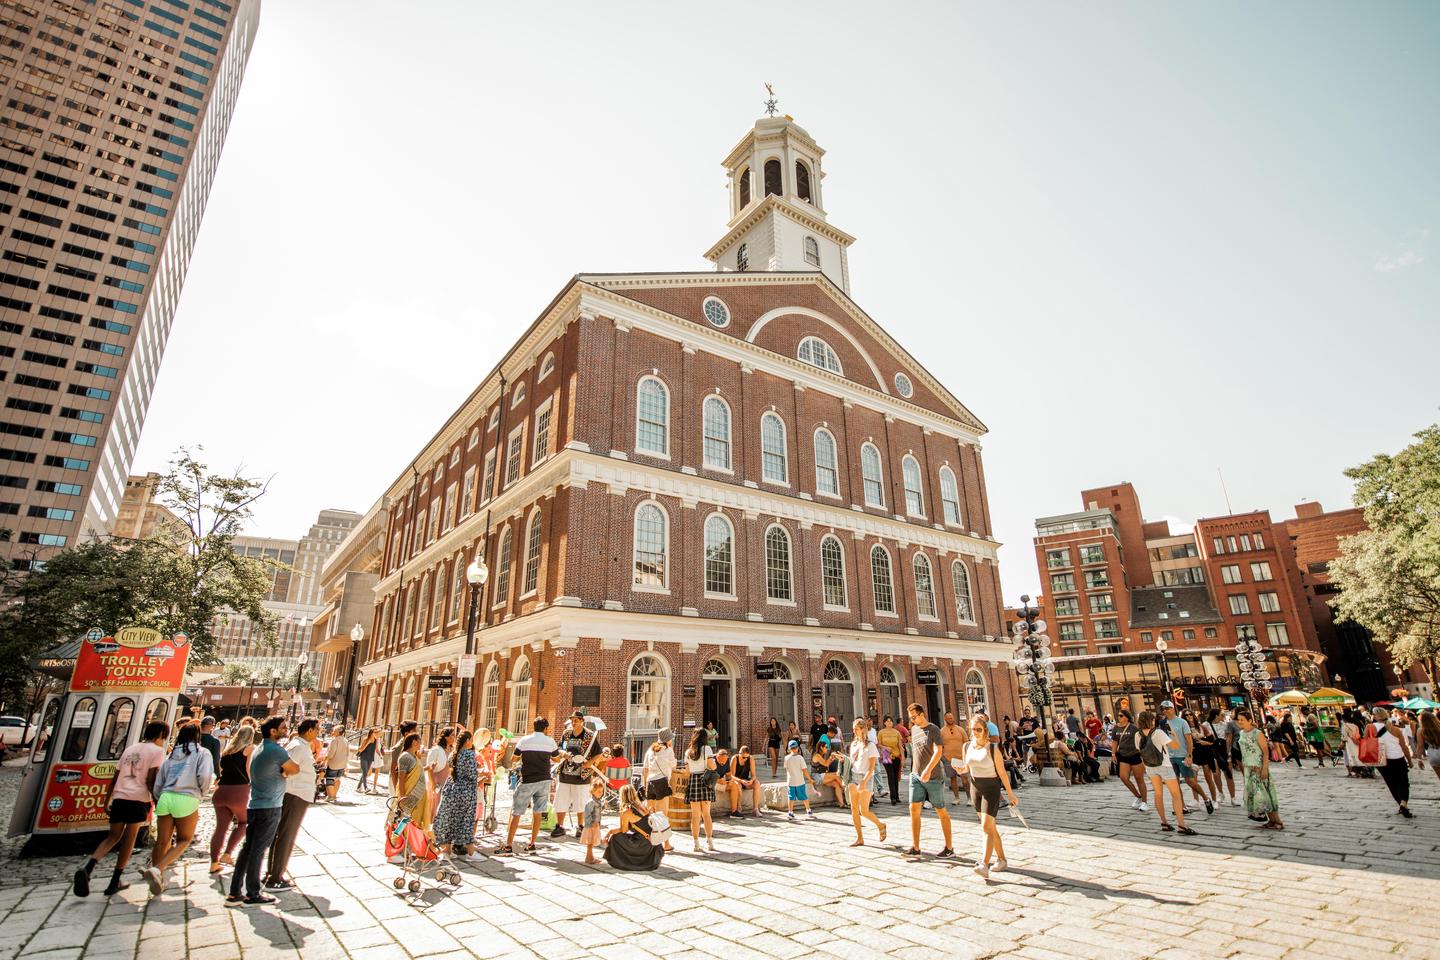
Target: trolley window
116,730
82,720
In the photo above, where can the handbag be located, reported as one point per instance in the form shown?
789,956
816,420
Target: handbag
1369,748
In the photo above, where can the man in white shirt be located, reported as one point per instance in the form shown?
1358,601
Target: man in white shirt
299,794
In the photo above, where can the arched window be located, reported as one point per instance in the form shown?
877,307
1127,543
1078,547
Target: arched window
774,462
716,417
719,556
839,693
832,572
781,701
742,258
960,578
802,180
650,546
914,498
652,417
924,586
649,699
773,179
520,698
812,251
474,440
777,564
744,178
532,555
950,496
890,702
490,699
518,397
818,353
881,583
546,367
827,471
975,696
871,473
502,571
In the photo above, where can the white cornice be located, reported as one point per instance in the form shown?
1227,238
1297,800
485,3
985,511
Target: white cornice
783,207
562,628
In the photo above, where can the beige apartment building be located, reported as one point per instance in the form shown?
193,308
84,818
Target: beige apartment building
112,119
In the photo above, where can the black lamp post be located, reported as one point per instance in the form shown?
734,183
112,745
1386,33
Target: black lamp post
1032,663
476,574
300,662
357,633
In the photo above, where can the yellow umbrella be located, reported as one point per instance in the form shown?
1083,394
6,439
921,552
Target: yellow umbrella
1329,695
1290,698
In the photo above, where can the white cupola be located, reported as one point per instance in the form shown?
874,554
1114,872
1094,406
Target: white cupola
777,213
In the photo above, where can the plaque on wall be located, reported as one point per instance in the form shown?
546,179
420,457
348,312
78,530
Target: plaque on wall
764,671
440,681
587,696
687,705
926,678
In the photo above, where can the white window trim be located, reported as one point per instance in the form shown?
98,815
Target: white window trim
517,395
890,563
474,440
959,523
835,450
537,455
709,594
547,366
830,352
505,481
784,450
669,415
726,307
499,600
664,588
905,488
881,481
534,514
844,584
789,560
729,434
934,594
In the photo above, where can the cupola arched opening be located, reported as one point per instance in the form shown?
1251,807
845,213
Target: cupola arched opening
802,181
773,179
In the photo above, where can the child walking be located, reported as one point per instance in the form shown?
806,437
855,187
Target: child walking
797,774
590,831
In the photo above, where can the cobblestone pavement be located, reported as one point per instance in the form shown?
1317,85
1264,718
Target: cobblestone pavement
1090,878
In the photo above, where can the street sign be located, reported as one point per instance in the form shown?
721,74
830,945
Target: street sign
440,681
465,667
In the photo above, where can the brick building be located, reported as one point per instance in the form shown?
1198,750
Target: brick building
702,496
1117,585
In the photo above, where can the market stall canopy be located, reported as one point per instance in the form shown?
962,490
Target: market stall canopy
1417,703
1289,698
59,660
1329,696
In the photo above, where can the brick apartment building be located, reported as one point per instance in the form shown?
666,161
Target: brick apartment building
712,496
1116,584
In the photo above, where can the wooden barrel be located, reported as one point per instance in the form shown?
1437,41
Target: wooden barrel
679,809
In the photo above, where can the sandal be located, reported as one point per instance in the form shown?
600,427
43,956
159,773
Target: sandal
531,848
913,852
858,843
506,850
1167,828
1186,831
882,833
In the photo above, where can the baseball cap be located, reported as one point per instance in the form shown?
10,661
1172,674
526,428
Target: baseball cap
794,744
1166,705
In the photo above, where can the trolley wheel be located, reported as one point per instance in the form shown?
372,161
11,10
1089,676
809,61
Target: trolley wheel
456,878
399,883
414,886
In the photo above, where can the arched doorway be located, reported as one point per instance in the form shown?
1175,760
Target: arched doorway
781,700
648,703
891,702
717,699
839,694
520,699
975,696
933,695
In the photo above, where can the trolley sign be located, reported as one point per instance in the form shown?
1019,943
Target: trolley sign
135,659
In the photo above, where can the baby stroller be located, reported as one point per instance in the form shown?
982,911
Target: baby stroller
422,856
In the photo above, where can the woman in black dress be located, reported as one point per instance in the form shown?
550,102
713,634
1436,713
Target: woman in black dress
628,846
772,745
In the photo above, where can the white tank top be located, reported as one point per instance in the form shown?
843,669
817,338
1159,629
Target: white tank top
981,759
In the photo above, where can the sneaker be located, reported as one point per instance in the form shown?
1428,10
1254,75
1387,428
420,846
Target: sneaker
811,815
1144,807
559,831
789,815
1001,864
82,882
259,900
945,854
982,871
1234,802
115,887
1135,803
1209,808
152,877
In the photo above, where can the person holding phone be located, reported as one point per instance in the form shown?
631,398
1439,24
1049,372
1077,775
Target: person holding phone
986,768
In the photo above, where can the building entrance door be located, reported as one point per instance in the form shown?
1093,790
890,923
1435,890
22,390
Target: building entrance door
717,698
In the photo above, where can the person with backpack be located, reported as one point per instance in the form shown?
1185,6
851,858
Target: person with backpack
184,778
985,768
1394,757
1260,801
1155,746
1127,754
635,844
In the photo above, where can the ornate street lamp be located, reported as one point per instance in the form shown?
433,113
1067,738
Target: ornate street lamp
300,662
357,633
1036,670
1254,673
476,574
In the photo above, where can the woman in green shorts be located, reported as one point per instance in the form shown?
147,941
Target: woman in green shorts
184,779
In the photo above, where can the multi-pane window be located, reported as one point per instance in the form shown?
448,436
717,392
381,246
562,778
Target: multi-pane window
827,470
961,580
437,601
1067,607
777,564
1211,633
1230,573
1062,583
773,461
532,555
1092,553
924,586
1245,541
1244,631
812,251
1260,571
491,711
818,353
542,434
452,500
1239,604
1057,558
467,493
1102,602
884,586
418,545
719,556
1277,634
871,474
1219,544
434,521
914,498
652,417
950,496
1107,629
832,572
1096,578
514,456
650,546
502,571
410,602
1259,540
1269,603
1073,630
716,416
457,587
487,480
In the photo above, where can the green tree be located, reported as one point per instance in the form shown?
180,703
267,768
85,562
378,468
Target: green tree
177,581
1389,575
236,674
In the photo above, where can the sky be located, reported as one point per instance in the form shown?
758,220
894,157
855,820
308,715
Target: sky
1145,242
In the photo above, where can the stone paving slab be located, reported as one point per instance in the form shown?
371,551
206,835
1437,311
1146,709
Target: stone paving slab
1090,878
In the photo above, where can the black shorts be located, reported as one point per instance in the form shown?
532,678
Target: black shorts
1134,761
658,789
129,811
